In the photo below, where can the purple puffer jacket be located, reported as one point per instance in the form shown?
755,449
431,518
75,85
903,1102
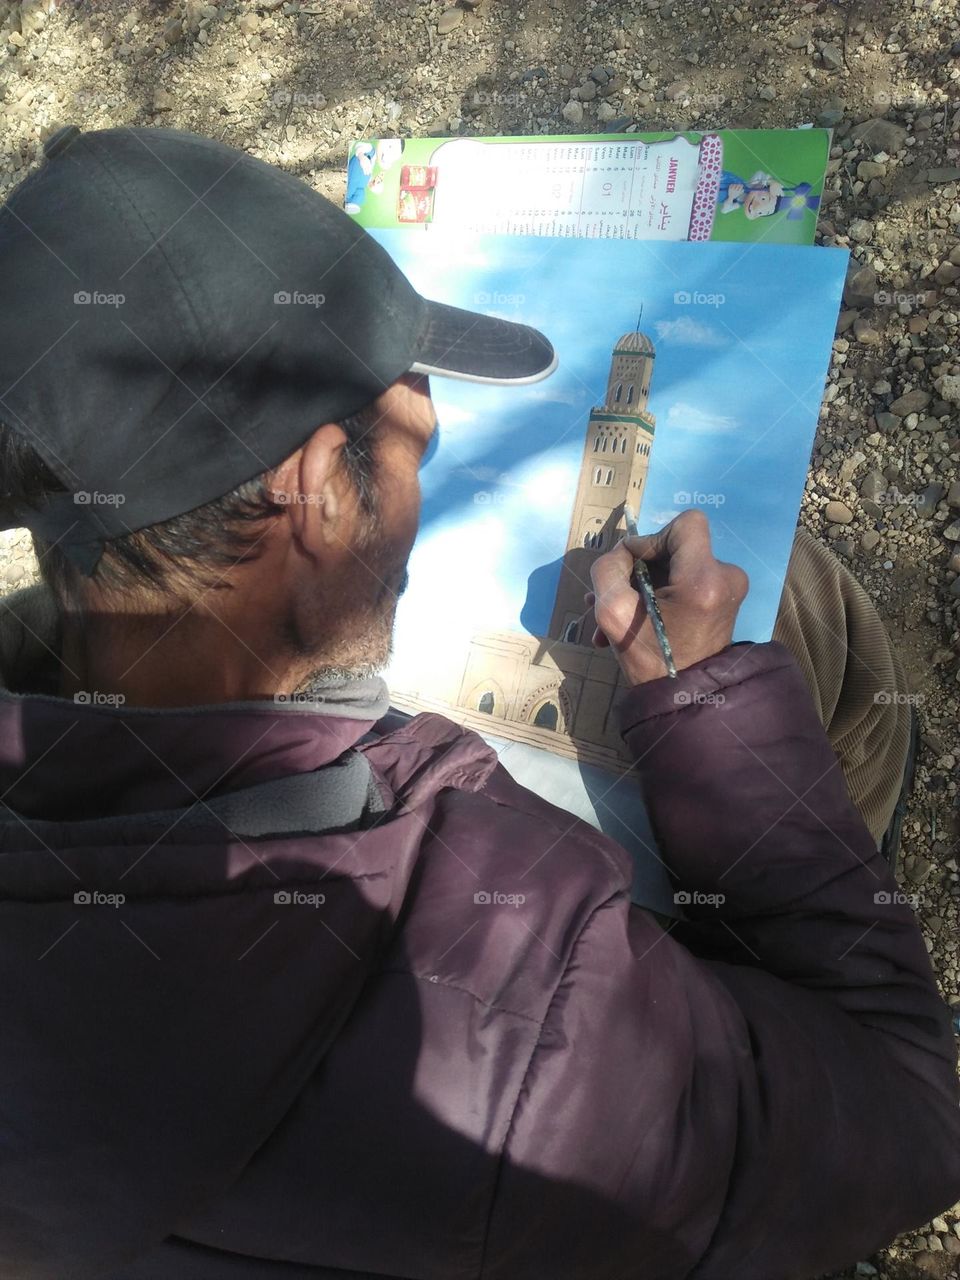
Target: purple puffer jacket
406,1080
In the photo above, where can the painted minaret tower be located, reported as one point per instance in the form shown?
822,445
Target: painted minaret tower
613,473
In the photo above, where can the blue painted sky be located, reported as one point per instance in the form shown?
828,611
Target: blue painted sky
736,391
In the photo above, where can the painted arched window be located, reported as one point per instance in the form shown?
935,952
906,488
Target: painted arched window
547,716
596,475
623,445
596,444
486,703
609,479
570,634
630,394
603,445
619,393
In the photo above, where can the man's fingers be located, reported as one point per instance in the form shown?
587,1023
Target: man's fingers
684,544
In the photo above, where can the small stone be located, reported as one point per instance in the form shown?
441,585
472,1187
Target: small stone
864,332
588,91
248,24
350,10
888,421
573,113
450,19
868,169
844,547
797,40
860,230
767,92
950,388
830,117
173,31
910,402
850,465
832,57
163,101
953,495
600,74
952,532
861,285
929,499
869,540
231,57
946,273
872,484
933,175
606,112
881,135
838,513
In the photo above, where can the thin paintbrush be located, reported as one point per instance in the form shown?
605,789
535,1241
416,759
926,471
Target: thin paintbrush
645,587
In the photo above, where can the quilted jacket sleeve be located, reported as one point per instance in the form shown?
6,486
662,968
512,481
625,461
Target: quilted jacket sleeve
769,1089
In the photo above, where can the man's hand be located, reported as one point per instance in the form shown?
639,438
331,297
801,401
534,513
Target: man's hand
699,597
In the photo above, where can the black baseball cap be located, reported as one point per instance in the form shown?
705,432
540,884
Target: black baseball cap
178,317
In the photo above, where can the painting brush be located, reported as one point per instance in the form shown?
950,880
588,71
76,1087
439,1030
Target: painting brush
645,587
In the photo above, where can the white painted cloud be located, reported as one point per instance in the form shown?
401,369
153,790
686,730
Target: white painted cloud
543,395
688,332
687,417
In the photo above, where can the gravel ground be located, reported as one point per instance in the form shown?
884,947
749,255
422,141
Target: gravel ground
294,82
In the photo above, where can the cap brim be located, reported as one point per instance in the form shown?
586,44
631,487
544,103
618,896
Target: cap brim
465,344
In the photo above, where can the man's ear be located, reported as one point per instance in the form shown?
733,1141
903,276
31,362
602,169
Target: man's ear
310,482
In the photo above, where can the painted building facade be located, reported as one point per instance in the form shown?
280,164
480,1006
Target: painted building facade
557,691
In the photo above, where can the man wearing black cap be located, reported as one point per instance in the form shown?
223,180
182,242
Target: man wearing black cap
263,1011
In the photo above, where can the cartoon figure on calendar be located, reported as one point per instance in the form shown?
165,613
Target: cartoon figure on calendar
763,195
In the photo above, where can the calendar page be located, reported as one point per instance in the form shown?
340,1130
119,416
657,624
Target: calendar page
746,185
